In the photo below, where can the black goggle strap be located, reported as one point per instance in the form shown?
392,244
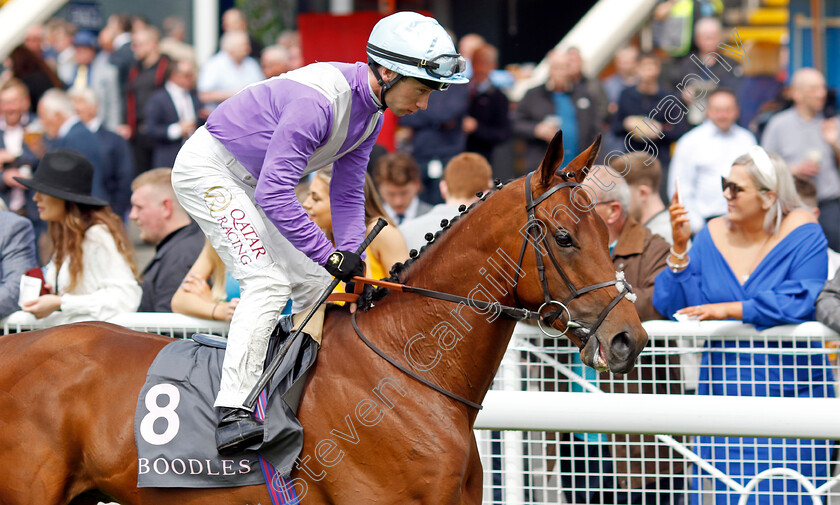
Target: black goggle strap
430,66
382,83
439,86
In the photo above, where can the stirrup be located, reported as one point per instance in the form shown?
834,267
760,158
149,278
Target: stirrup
237,431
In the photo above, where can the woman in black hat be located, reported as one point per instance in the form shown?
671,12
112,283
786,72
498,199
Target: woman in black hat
92,272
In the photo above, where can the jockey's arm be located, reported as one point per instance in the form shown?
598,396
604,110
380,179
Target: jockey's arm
292,144
347,196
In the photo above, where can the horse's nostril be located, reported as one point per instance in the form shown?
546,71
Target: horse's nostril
621,346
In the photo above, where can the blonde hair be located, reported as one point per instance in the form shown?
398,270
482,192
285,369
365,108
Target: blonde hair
786,197
158,177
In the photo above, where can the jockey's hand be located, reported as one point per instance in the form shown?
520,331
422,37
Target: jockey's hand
344,265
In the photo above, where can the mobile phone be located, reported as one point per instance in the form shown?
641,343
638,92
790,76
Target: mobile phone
38,274
677,189
30,288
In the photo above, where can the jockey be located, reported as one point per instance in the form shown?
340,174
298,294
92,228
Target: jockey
236,177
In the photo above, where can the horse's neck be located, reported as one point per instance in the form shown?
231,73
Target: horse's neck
457,346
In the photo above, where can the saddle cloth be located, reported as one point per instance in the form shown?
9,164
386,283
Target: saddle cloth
175,422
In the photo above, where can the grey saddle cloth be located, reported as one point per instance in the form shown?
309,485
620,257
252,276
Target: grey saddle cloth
175,422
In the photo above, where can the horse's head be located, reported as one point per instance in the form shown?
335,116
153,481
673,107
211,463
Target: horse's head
566,266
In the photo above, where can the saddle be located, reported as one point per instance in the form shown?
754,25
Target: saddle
175,420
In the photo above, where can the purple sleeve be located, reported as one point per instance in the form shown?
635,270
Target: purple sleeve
347,196
303,127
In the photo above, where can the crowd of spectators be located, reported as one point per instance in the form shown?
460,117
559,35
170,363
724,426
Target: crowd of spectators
98,119
124,100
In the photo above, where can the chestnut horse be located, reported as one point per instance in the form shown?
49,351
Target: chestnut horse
374,434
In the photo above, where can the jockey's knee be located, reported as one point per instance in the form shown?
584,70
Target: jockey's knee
267,283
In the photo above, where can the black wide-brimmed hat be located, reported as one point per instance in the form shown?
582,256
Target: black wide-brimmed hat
65,174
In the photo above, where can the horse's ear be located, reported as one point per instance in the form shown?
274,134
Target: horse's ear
553,158
583,162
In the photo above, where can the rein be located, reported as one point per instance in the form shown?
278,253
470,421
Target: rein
408,372
534,228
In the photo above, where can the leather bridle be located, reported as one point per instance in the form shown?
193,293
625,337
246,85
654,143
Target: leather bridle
534,229
535,236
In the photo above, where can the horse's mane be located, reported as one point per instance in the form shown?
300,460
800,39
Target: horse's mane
399,272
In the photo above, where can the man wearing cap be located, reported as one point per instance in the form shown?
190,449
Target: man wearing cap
236,177
99,75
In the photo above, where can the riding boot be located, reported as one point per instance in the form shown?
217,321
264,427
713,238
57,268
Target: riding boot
236,431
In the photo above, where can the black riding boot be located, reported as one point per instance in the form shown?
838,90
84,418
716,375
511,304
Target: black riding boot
237,430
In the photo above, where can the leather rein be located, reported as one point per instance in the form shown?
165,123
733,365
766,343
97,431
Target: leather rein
535,226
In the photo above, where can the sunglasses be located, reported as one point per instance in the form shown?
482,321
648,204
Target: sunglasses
733,188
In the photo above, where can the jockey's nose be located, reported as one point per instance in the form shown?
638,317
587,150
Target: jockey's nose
423,103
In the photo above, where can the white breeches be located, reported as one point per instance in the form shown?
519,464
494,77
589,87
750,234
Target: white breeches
218,192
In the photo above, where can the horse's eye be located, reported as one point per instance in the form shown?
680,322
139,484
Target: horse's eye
563,239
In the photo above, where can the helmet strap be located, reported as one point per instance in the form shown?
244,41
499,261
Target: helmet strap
384,85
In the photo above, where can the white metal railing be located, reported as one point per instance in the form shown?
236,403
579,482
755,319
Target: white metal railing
543,467
541,394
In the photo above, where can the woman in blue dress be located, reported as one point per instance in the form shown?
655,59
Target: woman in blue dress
764,263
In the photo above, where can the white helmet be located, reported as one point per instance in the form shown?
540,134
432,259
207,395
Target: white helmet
416,46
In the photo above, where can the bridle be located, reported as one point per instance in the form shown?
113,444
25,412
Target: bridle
534,228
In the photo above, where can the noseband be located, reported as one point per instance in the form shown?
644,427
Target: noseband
534,230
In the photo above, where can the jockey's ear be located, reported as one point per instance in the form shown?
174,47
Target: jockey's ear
552,159
584,161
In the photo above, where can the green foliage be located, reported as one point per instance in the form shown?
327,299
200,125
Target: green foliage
268,18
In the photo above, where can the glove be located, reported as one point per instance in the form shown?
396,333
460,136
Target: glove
344,265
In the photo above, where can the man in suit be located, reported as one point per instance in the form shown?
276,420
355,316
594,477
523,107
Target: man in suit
487,123
397,178
14,153
118,33
63,129
172,114
96,73
17,255
117,158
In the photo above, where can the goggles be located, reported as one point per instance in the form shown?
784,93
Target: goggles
441,67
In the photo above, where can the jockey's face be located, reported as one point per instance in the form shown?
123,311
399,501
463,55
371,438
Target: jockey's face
407,96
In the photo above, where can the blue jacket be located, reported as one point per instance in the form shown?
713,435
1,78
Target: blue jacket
118,165
80,139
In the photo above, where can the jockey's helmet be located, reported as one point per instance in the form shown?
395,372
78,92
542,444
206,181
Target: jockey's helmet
416,46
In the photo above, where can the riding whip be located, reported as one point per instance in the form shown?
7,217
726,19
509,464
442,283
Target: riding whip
272,367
